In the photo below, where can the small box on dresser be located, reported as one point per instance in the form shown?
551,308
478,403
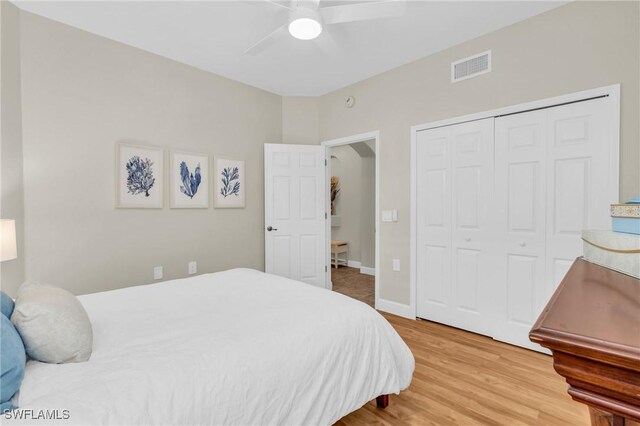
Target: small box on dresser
626,217
613,250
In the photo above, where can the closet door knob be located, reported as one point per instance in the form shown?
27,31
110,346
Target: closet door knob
467,238
271,228
522,243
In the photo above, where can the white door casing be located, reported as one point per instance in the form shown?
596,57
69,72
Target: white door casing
295,212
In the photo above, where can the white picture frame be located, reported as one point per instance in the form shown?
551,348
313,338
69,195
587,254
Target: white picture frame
188,180
229,184
139,176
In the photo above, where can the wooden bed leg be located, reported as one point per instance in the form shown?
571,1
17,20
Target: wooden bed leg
382,401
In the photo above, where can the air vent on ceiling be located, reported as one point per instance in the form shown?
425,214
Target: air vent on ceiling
471,67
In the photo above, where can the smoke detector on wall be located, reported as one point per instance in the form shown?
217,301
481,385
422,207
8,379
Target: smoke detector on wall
350,101
472,66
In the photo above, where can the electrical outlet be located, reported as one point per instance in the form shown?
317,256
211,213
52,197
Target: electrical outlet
396,265
193,267
157,273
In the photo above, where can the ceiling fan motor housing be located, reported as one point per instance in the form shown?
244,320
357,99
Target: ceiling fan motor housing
305,23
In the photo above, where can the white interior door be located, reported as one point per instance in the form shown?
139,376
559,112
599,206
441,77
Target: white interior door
553,179
295,212
499,213
473,242
580,186
433,204
456,254
520,176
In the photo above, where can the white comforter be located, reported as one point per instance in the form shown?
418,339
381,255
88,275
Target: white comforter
234,347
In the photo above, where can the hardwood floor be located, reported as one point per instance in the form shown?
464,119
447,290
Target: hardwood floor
350,282
463,378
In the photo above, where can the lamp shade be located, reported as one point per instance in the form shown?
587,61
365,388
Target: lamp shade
8,247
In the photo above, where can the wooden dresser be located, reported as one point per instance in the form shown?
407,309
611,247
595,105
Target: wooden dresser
592,327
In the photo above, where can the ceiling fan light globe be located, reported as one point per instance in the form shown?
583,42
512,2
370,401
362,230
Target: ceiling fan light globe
305,28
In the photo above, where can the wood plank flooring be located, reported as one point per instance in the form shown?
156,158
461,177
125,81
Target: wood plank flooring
351,282
463,378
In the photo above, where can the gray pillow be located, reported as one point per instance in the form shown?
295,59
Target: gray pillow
53,324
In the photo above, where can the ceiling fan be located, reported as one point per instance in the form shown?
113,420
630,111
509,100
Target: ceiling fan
306,18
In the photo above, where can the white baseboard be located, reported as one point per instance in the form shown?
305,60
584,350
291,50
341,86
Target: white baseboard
395,308
353,264
367,271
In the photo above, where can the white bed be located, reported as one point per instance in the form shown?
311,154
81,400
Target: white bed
234,347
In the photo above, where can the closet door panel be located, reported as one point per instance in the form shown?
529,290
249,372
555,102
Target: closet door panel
473,233
520,169
434,224
500,209
577,191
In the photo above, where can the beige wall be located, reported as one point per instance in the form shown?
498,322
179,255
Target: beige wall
356,203
11,188
579,46
300,120
81,95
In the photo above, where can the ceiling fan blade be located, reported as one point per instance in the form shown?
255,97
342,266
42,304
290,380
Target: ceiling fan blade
267,41
363,11
328,43
280,4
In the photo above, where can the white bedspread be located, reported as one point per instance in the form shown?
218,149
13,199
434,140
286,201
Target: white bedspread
234,347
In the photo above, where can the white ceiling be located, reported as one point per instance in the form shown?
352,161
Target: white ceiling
212,35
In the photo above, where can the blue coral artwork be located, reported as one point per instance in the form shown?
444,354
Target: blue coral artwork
189,180
139,176
229,184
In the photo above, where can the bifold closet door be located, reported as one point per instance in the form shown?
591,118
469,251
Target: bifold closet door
553,179
455,252
520,200
580,183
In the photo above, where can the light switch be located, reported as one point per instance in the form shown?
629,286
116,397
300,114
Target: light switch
389,215
157,273
396,265
193,267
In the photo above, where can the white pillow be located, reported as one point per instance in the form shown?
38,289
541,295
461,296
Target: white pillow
53,324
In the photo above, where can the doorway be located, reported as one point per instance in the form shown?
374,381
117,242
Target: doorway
352,197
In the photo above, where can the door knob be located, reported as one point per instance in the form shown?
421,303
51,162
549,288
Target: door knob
271,228
467,238
522,243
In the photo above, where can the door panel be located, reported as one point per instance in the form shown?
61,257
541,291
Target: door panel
295,211
434,290
455,178
577,188
473,254
466,280
500,207
520,167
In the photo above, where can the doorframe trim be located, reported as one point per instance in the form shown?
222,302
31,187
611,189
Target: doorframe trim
613,92
348,140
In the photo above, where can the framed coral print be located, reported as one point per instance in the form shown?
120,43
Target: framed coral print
229,186
139,176
188,180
